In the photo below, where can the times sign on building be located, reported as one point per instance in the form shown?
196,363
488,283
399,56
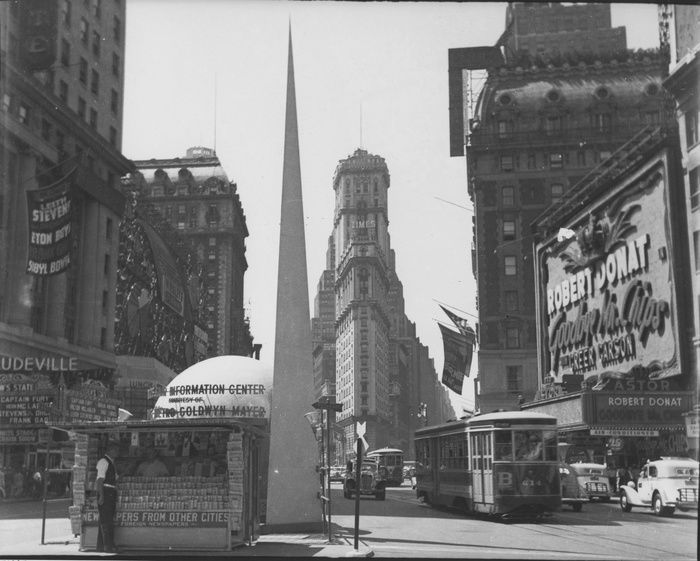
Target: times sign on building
606,301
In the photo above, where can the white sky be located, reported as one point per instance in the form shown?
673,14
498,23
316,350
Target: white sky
388,58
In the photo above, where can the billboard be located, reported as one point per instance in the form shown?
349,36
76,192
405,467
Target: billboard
606,291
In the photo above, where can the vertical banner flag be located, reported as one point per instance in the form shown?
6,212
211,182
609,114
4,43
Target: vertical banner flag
458,348
458,356
50,228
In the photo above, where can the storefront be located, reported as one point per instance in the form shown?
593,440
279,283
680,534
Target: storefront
612,324
209,433
35,392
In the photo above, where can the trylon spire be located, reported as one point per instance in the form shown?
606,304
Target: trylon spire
292,502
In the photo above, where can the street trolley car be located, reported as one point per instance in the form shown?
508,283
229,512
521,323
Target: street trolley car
501,463
391,459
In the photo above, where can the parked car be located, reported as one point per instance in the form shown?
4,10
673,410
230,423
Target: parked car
336,473
572,492
664,485
409,469
594,480
372,480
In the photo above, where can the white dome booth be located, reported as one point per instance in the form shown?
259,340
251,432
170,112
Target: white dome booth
221,387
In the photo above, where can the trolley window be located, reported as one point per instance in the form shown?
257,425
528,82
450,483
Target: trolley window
528,445
503,446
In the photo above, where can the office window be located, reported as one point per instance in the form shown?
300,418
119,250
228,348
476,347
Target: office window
556,160
511,265
6,102
45,129
505,128
83,70
553,125
508,230
93,118
511,300
116,64
117,30
652,117
66,12
65,53
63,90
581,158
96,8
23,114
84,30
557,191
691,128
513,378
105,300
508,196
113,136
60,141
95,81
512,338
604,155
96,43
531,161
81,108
114,102
694,181
601,122
696,249
506,163
107,263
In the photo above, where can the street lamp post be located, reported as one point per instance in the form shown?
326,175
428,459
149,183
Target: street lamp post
327,404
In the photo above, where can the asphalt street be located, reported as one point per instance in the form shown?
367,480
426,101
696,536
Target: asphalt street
401,526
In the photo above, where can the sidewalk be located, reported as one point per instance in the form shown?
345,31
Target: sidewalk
272,545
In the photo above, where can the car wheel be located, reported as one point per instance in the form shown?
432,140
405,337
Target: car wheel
657,505
578,507
624,503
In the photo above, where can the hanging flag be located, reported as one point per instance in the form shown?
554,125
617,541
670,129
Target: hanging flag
50,237
461,323
458,358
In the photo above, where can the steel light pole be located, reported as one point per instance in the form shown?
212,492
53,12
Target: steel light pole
328,404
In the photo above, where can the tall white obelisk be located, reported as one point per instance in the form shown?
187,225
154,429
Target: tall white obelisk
293,483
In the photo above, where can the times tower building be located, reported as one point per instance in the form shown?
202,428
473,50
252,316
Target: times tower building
362,281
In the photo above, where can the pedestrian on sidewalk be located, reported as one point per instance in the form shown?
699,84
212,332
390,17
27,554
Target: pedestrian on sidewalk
106,485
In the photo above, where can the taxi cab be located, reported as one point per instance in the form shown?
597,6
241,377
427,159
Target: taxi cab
592,477
664,485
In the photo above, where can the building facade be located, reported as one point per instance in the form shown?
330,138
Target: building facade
681,25
61,86
614,332
365,349
549,113
194,195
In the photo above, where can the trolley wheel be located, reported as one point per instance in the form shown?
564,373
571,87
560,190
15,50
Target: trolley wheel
578,507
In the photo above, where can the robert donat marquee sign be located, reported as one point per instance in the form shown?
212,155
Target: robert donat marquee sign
606,299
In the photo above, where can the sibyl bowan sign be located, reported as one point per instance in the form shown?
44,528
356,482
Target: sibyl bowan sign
50,239
606,297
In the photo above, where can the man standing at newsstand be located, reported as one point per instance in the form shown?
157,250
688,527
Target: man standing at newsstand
106,485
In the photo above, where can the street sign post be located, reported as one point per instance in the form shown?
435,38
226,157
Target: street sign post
361,428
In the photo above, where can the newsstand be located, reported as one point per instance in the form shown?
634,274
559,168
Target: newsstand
210,430
208,501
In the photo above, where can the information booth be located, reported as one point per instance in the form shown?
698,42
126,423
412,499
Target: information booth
191,478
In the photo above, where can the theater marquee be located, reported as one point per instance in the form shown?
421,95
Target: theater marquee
606,299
